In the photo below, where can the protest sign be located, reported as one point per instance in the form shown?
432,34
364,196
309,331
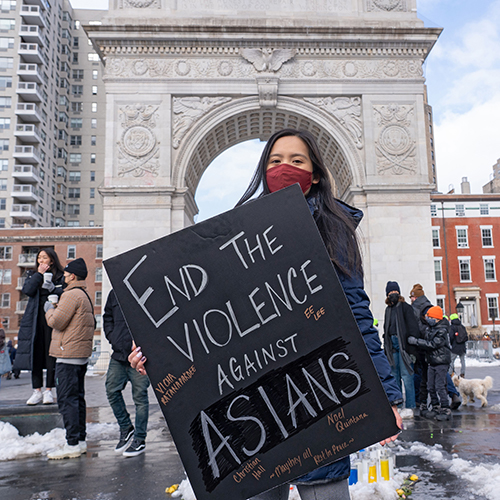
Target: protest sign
253,352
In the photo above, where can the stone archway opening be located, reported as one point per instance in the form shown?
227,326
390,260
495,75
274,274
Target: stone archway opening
261,124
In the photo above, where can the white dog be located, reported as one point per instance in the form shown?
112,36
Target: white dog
475,387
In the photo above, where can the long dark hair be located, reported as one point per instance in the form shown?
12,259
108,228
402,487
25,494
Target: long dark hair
336,226
55,268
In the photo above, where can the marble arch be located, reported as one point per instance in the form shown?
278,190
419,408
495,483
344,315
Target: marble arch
186,79
244,119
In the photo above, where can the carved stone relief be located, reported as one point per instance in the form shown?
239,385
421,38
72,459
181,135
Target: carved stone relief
193,68
386,5
267,59
267,5
395,146
268,91
139,4
138,147
347,110
188,110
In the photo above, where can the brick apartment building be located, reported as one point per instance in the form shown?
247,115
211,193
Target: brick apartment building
466,241
18,250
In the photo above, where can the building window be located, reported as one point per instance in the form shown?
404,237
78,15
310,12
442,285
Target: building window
75,176
484,209
92,157
492,307
91,209
75,157
92,56
71,252
91,223
98,251
75,57
3,203
4,165
440,301
93,123
6,62
92,192
74,193
94,89
486,237
75,140
98,274
77,89
73,209
459,210
78,74
5,102
435,238
93,140
5,82
464,265
73,223
95,74
3,184
462,240
4,145
5,276
5,301
76,42
4,123
7,24
6,323
5,253
489,269
98,298
77,107
76,122
94,107
438,271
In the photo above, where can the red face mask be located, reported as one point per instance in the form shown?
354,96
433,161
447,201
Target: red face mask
285,175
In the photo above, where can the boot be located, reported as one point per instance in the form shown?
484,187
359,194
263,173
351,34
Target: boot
432,412
455,401
444,414
422,409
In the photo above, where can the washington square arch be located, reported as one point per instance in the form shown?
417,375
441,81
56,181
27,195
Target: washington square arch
187,79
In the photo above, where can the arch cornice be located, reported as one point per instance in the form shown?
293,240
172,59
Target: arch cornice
345,159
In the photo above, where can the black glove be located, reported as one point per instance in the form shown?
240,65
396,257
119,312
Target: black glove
412,340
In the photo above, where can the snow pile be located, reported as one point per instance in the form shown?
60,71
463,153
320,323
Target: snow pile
15,446
483,478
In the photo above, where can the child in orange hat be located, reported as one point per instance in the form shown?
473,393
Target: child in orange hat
436,345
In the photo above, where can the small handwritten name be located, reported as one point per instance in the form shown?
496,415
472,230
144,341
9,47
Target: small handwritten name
253,467
341,423
170,385
311,313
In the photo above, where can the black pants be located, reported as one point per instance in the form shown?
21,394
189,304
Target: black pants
41,358
70,384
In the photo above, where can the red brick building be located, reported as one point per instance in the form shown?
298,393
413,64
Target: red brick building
18,250
466,241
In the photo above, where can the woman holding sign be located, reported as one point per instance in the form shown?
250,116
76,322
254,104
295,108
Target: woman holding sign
290,157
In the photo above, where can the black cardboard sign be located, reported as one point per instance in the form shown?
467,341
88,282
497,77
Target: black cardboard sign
253,352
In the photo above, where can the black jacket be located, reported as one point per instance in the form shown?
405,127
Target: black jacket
407,326
437,344
456,348
33,288
420,307
116,329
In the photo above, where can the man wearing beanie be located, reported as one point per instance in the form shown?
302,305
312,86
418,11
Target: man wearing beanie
72,320
436,344
399,324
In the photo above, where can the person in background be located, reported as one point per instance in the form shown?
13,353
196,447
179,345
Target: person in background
458,340
12,353
73,322
119,373
399,324
436,344
34,334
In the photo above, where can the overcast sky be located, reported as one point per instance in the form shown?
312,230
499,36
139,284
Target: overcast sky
463,75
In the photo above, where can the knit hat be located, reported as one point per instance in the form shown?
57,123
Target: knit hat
435,312
77,267
454,316
392,286
417,291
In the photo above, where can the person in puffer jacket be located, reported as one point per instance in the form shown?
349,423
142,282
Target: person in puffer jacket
438,355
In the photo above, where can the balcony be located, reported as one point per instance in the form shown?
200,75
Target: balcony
25,212
30,73
29,91
31,34
26,154
29,112
25,192
20,283
21,306
31,53
32,14
26,173
27,133
40,3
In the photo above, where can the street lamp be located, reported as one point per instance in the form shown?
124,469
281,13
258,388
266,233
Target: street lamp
460,309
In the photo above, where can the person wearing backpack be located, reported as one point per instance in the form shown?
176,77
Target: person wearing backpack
458,341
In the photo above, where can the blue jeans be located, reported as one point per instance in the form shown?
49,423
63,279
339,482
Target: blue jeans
119,373
400,372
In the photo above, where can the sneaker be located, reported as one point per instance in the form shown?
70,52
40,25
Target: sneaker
48,399
67,451
431,412
455,402
136,448
125,438
35,398
83,446
444,414
406,413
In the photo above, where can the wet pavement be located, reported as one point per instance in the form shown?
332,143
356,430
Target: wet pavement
473,434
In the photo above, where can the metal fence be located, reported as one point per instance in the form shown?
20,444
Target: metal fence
480,349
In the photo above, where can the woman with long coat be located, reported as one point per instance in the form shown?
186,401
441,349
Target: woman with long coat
34,334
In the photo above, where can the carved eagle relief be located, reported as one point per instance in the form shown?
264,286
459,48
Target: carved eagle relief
267,59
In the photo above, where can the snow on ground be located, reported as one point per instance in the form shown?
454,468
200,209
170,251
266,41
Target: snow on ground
480,363
483,478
